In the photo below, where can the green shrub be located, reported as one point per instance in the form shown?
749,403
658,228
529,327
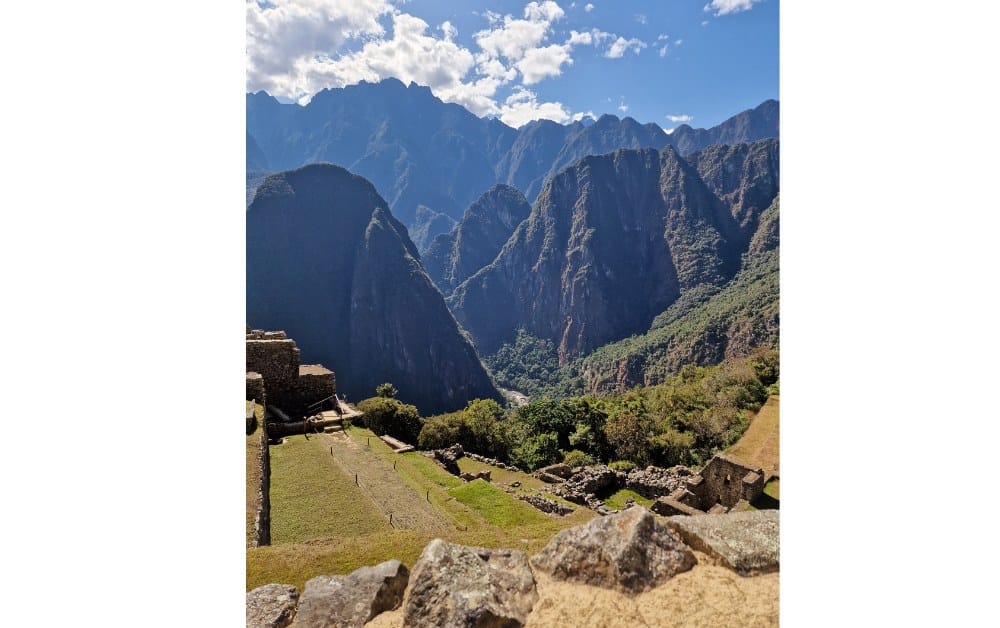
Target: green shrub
577,458
392,417
537,451
444,430
622,465
386,390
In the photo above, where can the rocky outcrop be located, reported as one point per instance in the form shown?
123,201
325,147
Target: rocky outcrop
630,551
271,606
329,264
448,457
428,225
457,585
479,475
548,506
485,227
493,462
611,242
353,600
746,542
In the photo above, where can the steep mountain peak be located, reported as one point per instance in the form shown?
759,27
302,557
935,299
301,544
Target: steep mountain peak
328,263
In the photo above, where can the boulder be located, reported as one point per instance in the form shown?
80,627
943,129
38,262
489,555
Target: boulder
353,600
448,458
746,542
559,470
630,551
271,606
548,478
457,585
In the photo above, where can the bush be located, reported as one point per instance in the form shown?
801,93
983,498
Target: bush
444,430
386,390
537,451
622,465
389,416
577,458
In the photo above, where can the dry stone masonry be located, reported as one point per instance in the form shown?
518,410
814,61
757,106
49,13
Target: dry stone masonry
725,484
273,369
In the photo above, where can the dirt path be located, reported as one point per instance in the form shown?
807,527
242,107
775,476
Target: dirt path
759,445
380,482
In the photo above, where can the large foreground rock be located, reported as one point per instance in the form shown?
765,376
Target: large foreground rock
747,542
351,601
457,585
630,551
271,606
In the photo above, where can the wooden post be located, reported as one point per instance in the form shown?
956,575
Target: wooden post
428,496
331,451
356,479
393,465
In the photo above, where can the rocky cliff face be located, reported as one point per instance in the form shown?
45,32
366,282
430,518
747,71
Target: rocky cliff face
611,242
328,263
485,227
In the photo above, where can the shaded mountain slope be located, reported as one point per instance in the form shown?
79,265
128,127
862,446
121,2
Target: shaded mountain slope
759,123
328,263
611,242
485,227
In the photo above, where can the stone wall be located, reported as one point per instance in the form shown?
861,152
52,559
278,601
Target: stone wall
255,387
314,383
276,360
263,518
726,481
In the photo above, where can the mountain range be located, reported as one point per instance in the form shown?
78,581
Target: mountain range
613,251
420,151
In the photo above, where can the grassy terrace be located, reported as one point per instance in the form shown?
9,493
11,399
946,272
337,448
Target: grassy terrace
322,523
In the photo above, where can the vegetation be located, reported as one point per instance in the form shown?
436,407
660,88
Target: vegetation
386,390
384,415
685,420
496,506
531,365
617,499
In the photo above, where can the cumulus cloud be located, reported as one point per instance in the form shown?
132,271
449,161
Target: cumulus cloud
622,45
295,48
725,7
681,118
588,7
522,106
282,33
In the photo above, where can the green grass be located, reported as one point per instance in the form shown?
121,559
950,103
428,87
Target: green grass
772,489
312,535
312,498
616,501
496,506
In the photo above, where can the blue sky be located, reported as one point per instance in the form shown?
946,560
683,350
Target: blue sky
668,61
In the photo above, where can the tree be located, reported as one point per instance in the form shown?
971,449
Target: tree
389,416
386,391
481,417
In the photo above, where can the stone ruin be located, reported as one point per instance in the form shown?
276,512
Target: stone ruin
724,485
275,377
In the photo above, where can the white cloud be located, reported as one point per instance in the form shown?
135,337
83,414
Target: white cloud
541,63
622,106
622,45
662,37
681,118
725,7
283,33
581,115
639,17
704,23
411,55
522,107
588,7
295,48
663,51
678,42
668,131
448,30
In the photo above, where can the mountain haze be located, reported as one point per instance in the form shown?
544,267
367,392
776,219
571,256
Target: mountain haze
328,263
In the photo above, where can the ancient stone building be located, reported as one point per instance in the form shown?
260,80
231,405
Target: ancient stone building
275,377
724,484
